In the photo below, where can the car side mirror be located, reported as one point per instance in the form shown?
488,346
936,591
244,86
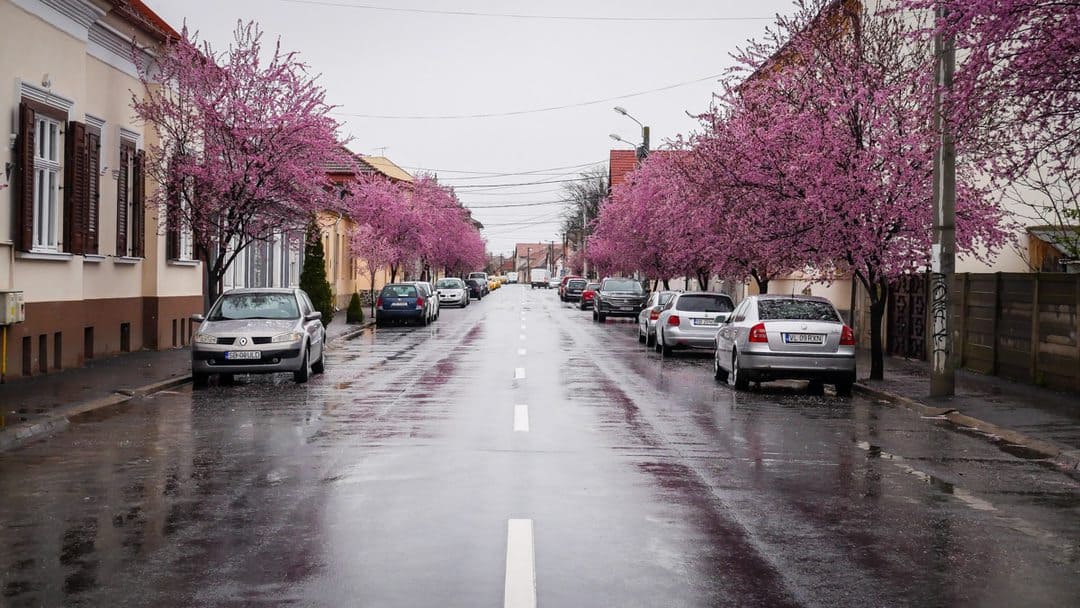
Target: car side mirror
197,318
313,316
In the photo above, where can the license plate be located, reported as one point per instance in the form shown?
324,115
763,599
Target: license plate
236,355
399,304
704,322
804,338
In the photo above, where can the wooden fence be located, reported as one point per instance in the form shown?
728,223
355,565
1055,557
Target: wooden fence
1024,326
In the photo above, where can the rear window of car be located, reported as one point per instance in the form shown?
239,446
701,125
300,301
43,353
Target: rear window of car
796,310
665,298
592,287
477,275
622,285
232,307
705,303
576,283
399,291
449,284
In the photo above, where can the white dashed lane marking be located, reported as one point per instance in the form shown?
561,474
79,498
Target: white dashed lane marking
521,351
521,419
520,590
519,373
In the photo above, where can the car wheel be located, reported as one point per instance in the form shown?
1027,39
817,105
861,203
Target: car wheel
594,315
656,343
423,321
200,380
640,336
665,349
843,387
601,317
738,378
319,366
650,339
816,388
719,373
226,379
301,375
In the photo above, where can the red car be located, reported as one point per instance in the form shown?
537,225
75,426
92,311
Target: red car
588,295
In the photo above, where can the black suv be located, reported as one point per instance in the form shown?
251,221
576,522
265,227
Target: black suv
618,297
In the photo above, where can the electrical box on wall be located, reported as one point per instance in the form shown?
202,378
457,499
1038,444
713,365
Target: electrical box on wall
12,308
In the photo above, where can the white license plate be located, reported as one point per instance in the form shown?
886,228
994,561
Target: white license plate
804,338
396,304
704,322
236,355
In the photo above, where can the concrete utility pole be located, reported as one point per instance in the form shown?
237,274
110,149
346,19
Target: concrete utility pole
943,261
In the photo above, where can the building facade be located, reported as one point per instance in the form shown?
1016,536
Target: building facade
75,235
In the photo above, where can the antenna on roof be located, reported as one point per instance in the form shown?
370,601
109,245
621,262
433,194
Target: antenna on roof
382,150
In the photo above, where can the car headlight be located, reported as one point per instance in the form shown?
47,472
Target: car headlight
204,339
292,336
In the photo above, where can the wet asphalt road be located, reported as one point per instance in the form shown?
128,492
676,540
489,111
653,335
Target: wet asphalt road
390,481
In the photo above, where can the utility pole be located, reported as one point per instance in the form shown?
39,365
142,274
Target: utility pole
643,151
943,261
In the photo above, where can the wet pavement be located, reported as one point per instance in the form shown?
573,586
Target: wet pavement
393,481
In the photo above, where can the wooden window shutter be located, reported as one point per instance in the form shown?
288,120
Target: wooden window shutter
122,203
93,194
24,193
138,222
76,188
172,215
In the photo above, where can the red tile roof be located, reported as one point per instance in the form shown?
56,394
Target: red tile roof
620,163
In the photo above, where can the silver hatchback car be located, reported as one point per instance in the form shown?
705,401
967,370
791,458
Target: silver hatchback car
646,333
690,320
258,331
774,337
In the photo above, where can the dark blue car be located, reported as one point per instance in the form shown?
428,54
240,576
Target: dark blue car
400,302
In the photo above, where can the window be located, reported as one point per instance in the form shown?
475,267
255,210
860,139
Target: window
46,184
129,202
704,303
279,306
796,309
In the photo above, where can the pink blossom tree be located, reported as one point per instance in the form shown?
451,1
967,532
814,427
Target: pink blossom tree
1015,102
243,137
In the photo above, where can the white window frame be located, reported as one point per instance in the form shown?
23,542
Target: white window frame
129,204
48,173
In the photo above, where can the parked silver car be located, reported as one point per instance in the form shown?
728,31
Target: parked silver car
690,320
431,300
452,292
774,337
647,317
258,331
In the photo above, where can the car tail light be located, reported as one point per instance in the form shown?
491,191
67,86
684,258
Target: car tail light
378,302
419,302
673,320
654,315
847,337
757,333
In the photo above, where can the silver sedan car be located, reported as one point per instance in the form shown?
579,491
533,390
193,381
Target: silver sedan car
646,333
452,292
774,337
690,320
258,331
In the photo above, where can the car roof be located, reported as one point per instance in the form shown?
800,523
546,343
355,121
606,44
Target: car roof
798,296
283,290
700,293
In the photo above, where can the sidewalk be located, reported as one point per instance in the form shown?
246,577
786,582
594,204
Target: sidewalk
40,404
1042,421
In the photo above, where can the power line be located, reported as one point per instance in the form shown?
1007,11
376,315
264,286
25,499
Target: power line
549,191
511,206
556,181
460,13
521,112
501,173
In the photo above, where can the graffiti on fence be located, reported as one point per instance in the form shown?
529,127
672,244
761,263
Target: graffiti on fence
939,315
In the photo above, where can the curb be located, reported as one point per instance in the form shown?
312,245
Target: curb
1060,456
58,419
353,333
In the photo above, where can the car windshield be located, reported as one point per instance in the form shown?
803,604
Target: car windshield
399,291
237,306
796,310
449,284
623,285
705,303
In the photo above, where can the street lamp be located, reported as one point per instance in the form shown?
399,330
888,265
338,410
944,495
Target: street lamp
643,150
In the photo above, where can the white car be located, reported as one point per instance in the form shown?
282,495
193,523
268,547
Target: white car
452,292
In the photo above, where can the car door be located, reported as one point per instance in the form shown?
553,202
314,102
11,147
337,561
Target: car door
725,336
314,328
643,316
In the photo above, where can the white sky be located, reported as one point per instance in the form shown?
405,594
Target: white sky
406,63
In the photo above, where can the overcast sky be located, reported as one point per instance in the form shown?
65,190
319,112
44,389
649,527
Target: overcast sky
414,63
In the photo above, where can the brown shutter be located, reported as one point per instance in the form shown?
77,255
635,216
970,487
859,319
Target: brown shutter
138,211
93,194
24,193
76,191
122,203
172,215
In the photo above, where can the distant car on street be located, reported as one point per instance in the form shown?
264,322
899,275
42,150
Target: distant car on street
258,331
538,277
690,320
562,285
476,288
587,295
452,292
648,316
618,297
572,289
401,302
511,277
774,337
483,278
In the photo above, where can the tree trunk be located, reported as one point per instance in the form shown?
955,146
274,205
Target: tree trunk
372,292
879,297
703,280
393,273
762,282
666,286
